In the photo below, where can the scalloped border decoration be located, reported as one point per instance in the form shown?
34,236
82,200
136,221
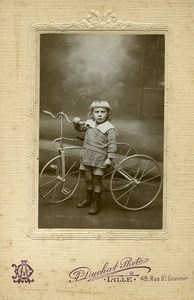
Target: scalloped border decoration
95,21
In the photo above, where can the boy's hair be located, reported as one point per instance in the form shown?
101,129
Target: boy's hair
102,104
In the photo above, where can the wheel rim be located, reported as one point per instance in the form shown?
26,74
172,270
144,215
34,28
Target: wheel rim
54,187
123,150
136,182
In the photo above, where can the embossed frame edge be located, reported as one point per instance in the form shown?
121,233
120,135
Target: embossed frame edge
107,22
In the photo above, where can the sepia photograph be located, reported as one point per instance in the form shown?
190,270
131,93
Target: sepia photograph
101,130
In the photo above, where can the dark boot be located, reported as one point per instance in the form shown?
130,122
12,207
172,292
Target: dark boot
95,206
87,201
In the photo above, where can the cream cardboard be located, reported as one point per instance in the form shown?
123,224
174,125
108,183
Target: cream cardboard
78,263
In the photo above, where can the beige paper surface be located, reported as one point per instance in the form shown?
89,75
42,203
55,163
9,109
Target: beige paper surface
166,256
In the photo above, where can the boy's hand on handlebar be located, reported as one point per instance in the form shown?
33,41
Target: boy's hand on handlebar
76,120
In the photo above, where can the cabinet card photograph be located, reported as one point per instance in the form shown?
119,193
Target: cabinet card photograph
97,150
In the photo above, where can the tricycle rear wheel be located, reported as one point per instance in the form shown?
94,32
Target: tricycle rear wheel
136,182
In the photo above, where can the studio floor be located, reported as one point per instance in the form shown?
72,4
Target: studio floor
111,216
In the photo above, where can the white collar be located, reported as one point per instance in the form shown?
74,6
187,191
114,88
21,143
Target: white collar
103,127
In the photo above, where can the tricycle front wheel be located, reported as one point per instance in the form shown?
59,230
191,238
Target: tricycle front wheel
59,180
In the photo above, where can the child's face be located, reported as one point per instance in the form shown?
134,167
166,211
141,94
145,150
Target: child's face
100,114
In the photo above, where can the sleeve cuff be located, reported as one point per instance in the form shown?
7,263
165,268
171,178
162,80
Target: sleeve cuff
111,155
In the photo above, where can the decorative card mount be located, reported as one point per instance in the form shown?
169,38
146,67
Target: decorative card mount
105,23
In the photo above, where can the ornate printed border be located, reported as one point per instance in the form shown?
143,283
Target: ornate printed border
98,22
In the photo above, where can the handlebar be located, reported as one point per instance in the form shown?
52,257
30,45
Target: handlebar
61,113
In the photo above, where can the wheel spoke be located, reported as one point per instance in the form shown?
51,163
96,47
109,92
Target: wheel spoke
152,184
125,193
53,197
137,172
107,174
150,178
143,175
71,167
51,189
44,184
134,168
127,153
129,195
122,187
74,172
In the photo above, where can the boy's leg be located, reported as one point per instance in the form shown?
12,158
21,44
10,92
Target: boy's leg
95,207
89,190
88,175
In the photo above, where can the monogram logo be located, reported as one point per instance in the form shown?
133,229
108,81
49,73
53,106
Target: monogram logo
23,272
